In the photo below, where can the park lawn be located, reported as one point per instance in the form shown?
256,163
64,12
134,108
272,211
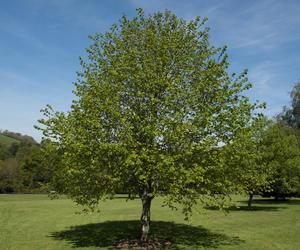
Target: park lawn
36,222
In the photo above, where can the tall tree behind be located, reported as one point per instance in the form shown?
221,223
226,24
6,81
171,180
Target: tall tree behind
282,154
290,116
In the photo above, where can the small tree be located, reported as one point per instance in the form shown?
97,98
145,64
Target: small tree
247,162
154,102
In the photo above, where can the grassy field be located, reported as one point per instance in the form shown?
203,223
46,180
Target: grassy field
36,222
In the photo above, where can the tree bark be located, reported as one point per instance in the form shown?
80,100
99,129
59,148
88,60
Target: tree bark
250,201
145,218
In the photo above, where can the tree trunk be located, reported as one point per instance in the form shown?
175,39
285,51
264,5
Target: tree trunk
250,201
145,218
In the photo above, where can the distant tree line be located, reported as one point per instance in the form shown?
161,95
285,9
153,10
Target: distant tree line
22,168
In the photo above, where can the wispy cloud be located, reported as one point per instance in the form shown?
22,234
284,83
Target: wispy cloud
187,10
269,86
20,31
15,83
262,25
85,14
262,76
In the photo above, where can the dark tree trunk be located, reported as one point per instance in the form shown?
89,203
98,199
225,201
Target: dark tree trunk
145,218
250,201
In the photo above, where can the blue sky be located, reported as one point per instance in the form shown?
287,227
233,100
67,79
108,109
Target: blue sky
41,41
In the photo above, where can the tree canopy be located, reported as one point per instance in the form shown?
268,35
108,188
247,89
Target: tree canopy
290,116
154,104
247,161
22,168
282,154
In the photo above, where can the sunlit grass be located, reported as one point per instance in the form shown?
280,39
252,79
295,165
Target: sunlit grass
36,222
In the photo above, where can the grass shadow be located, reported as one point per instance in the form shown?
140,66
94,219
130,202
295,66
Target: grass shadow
274,202
106,233
245,208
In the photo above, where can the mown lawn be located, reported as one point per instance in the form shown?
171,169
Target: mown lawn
36,222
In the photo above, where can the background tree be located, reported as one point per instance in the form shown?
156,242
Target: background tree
282,153
290,116
22,166
34,170
246,159
10,179
153,103
4,152
287,178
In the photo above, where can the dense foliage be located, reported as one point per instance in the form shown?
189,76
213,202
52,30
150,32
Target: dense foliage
22,168
290,116
282,154
246,159
154,103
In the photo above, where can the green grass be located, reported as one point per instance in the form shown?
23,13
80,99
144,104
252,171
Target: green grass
36,222
7,140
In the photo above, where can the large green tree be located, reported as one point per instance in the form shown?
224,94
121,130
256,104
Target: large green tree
154,102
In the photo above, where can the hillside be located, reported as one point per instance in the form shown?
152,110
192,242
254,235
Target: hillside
6,140
9,137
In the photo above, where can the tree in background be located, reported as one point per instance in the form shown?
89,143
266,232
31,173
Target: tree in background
33,169
154,102
288,176
246,159
10,179
291,116
4,152
22,166
282,153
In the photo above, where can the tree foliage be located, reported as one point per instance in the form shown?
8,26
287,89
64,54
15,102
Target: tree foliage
246,159
282,153
10,179
290,116
287,180
154,101
22,165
